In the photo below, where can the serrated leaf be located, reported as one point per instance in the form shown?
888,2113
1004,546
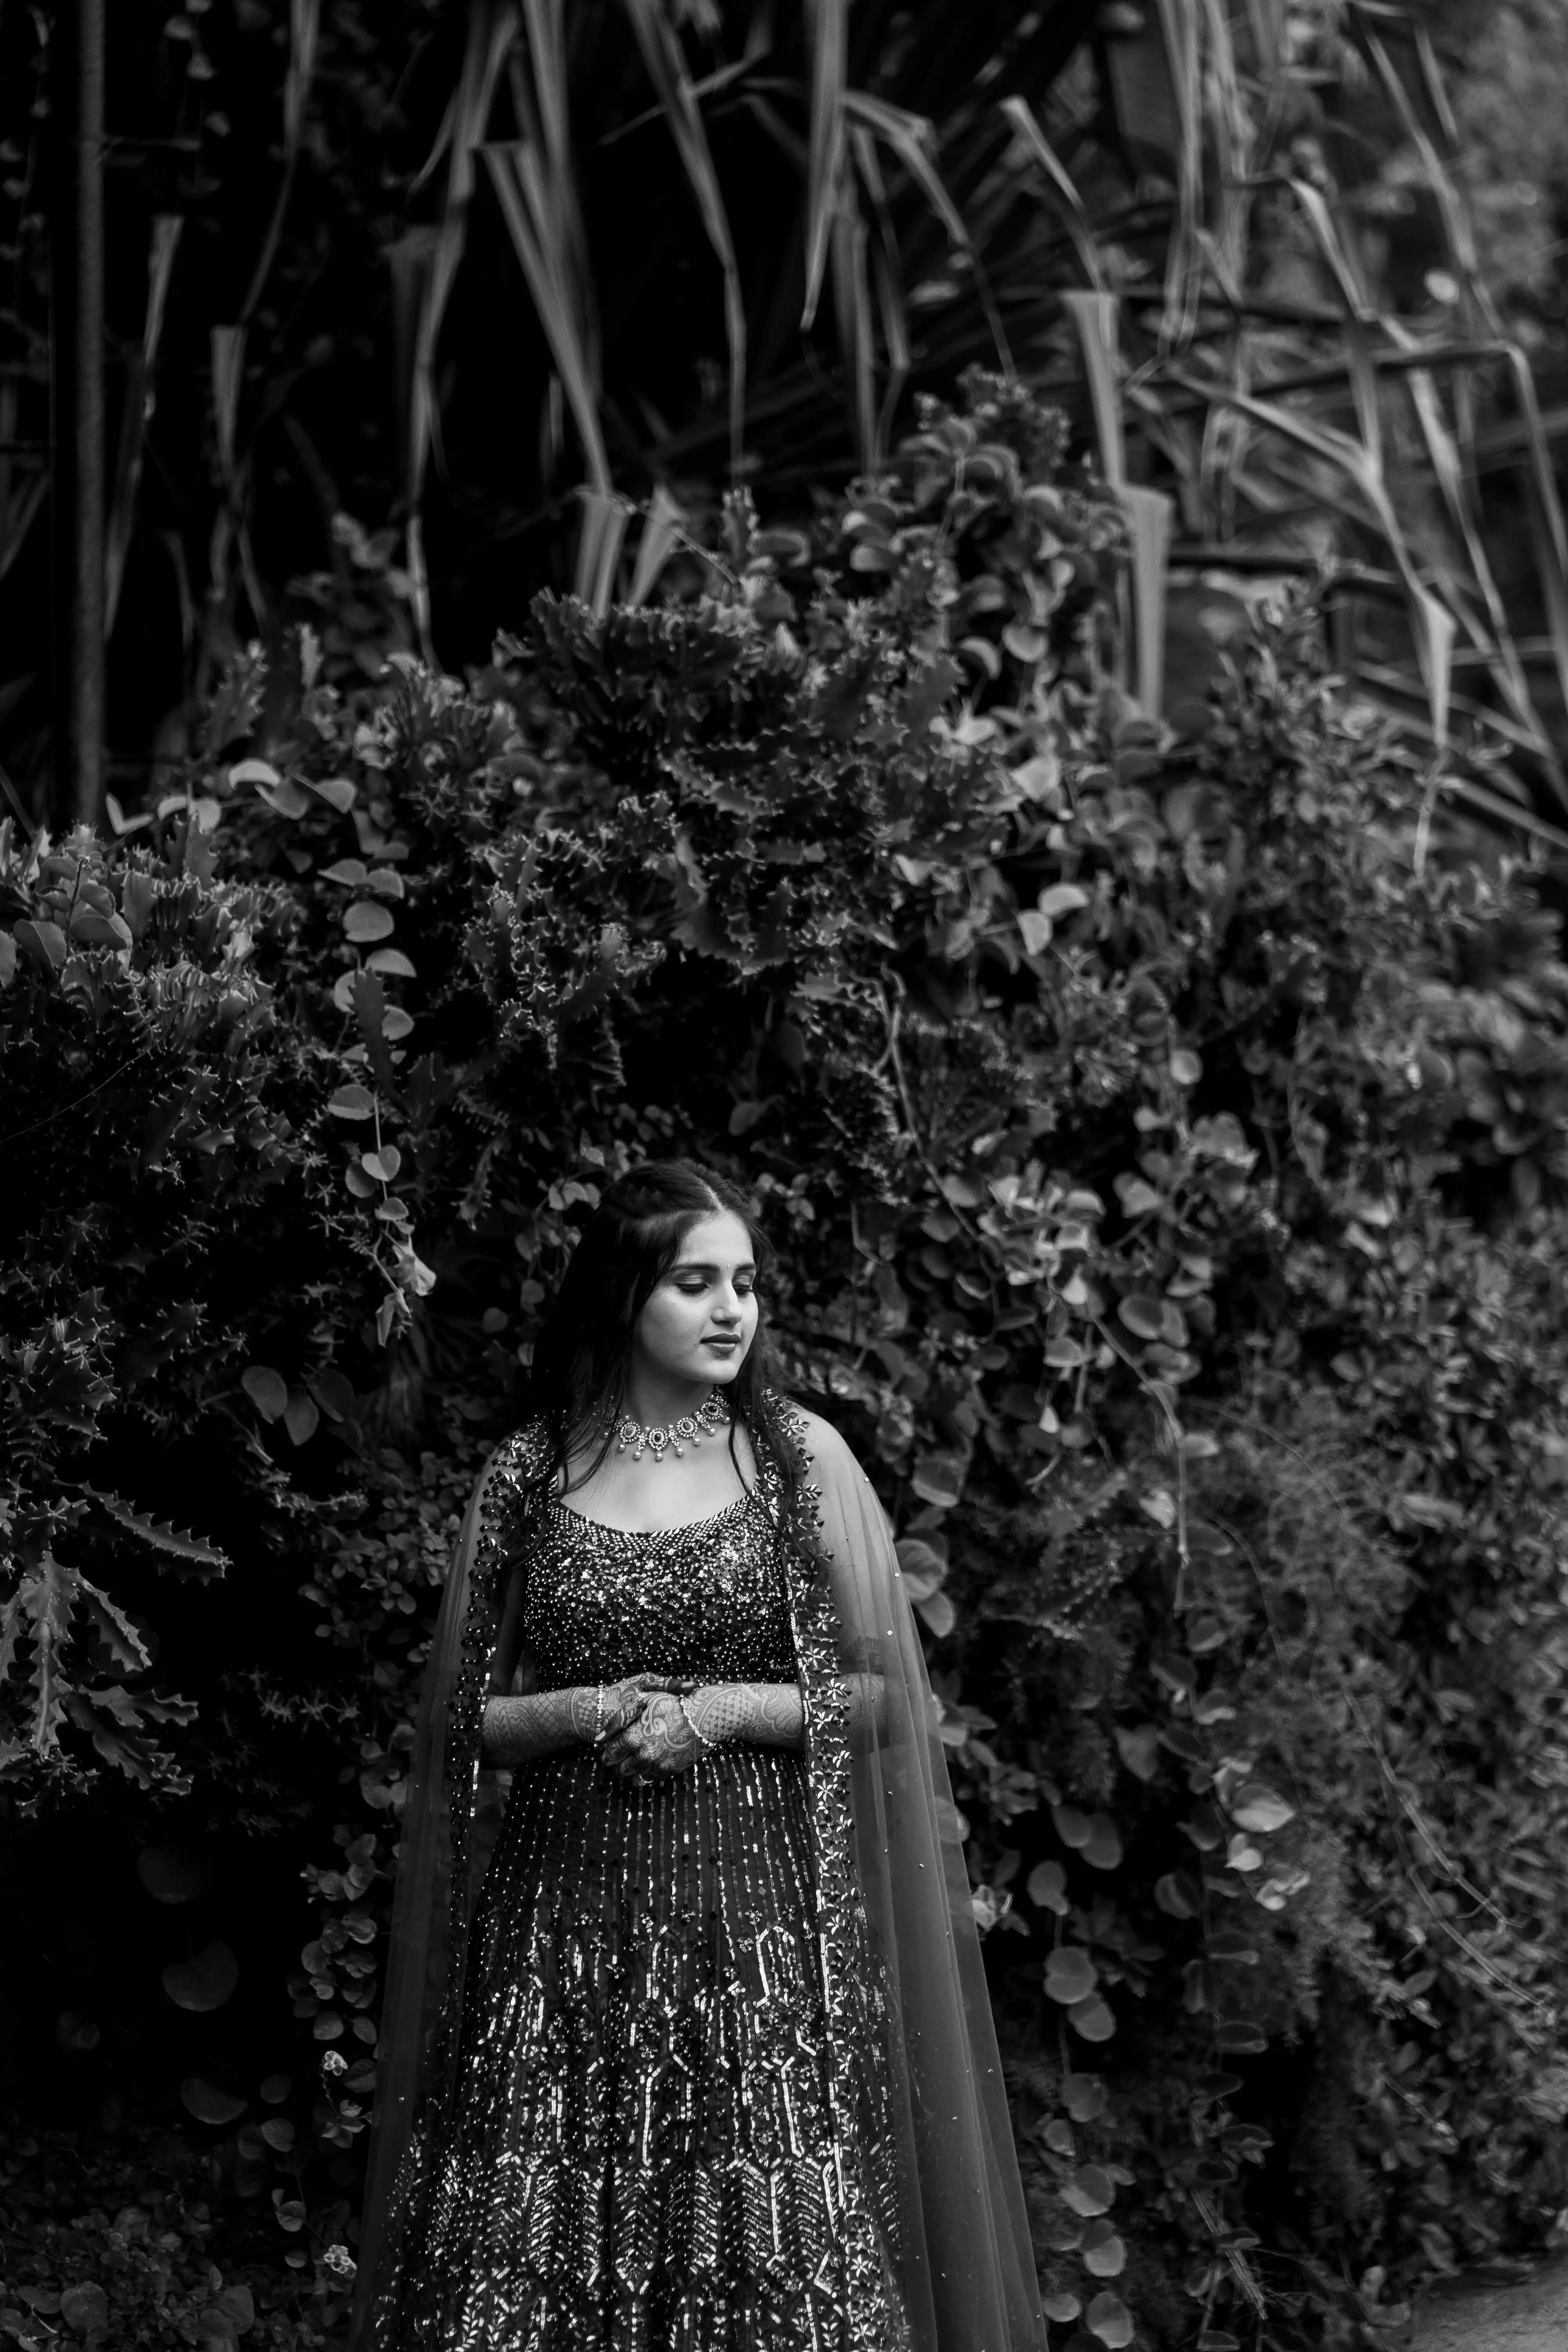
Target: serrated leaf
180,1541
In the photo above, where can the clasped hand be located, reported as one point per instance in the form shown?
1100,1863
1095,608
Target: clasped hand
646,1733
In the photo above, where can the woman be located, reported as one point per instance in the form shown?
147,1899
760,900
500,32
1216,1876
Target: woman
691,2052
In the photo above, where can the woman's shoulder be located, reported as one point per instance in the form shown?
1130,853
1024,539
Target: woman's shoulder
522,1455
818,1438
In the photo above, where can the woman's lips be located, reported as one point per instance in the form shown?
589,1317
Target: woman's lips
726,1344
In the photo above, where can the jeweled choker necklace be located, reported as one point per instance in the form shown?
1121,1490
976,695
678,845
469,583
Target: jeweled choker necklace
672,1436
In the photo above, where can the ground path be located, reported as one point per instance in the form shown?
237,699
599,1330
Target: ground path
1524,2315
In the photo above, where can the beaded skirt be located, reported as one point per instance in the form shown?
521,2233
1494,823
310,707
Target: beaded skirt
645,2153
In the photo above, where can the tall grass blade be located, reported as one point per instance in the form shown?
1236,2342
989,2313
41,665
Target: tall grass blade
661,535
1095,317
666,63
1065,201
827,43
855,315
138,410
304,32
1149,514
1180,25
887,278
521,191
599,543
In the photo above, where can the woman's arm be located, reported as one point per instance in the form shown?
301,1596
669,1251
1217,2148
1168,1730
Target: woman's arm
539,1723
669,1734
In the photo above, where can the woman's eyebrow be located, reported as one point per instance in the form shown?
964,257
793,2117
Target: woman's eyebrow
708,1266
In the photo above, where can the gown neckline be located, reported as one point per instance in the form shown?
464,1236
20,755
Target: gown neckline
644,1535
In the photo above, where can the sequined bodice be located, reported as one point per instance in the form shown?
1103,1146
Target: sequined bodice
705,1600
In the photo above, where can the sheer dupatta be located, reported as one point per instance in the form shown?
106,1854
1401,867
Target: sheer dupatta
900,1955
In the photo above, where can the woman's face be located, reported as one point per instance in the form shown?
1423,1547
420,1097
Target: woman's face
700,1320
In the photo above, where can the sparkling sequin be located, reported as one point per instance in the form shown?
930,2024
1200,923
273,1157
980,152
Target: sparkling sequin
665,2124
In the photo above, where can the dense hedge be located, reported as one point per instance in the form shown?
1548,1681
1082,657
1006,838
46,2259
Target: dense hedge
1164,1142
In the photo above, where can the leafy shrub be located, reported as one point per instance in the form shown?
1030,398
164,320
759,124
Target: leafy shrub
1164,1144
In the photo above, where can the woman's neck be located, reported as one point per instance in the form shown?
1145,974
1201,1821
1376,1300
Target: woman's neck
657,1403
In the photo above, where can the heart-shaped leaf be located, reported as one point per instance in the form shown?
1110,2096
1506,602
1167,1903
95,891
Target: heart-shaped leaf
352,1102
1240,2036
924,1568
1144,1314
1070,1974
939,1613
85,2310
1092,2019
267,1391
302,1416
205,1982
1259,1808
1061,2306
1109,2319
1046,1886
1138,1747
1104,2254
391,961
286,797
43,942
368,919
172,1874
238,2305
1102,1847
1074,1828
207,2103
1090,2191
1177,1894
338,792
1084,2096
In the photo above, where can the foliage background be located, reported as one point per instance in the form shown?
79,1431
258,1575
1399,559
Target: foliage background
1035,849
1163,1140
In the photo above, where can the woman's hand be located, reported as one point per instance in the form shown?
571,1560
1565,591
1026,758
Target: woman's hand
657,1740
621,1702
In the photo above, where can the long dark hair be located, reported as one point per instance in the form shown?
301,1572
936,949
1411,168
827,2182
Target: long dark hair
578,1376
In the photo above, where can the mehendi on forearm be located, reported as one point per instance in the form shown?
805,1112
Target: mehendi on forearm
763,1714
517,1729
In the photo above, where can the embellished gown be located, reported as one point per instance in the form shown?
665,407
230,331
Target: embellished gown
648,2149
